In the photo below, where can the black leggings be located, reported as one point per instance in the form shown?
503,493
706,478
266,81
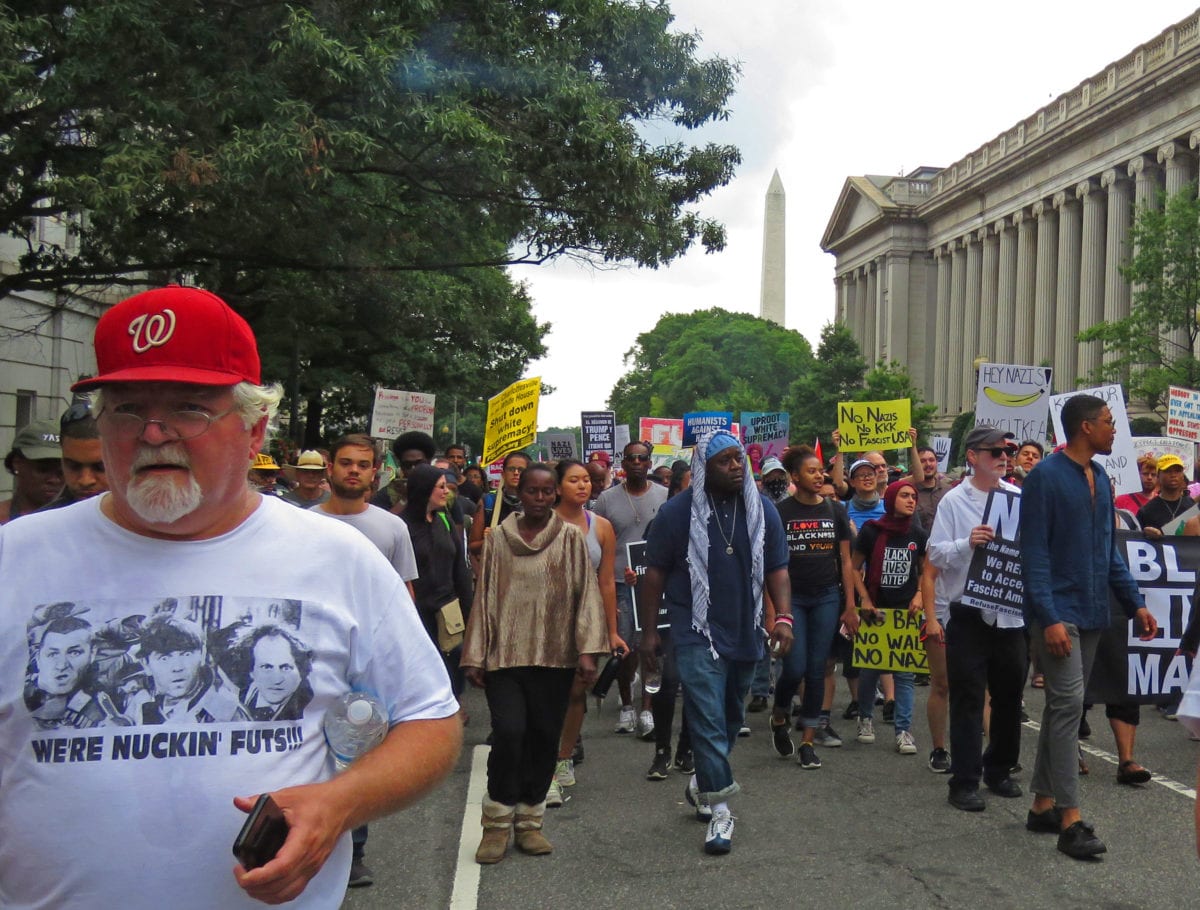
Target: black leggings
527,705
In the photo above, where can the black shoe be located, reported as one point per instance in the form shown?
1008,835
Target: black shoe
1048,822
1080,842
967,800
782,740
922,679
939,761
1085,729
808,758
1129,772
758,704
661,767
577,752
851,712
360,874
889,711
1004,786
684,763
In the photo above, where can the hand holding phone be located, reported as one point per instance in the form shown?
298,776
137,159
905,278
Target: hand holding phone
262,835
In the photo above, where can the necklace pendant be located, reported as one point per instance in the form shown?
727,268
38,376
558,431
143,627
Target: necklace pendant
729,551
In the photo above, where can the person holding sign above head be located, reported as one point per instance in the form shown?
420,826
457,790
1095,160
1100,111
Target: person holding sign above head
1070,561
985,648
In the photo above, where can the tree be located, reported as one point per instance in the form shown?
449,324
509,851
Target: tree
709,360
1154,347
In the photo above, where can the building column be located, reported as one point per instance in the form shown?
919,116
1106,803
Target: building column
1116,248
1178,167
1006,292
883,302
1046,284
860,308
870,348
941,327
989,295
971,302
1026,279
1091,273
1066,304
1145,196
898,318
953,354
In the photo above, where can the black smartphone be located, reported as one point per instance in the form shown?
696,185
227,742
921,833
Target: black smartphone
262,835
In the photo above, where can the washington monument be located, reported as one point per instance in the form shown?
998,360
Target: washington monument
771,305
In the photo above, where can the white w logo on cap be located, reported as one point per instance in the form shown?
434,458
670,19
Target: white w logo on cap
152,331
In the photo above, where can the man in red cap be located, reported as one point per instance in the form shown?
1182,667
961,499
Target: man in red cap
180,537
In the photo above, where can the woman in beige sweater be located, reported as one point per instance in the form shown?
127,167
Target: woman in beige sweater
537,616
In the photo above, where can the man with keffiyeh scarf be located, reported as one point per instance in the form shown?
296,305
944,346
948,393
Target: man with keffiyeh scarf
712,553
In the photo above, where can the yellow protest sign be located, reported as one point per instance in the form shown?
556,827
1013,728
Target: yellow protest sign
511,419
869,425
893,646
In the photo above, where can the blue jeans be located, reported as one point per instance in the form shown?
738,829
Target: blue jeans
714,695
814,619
867,679
760,686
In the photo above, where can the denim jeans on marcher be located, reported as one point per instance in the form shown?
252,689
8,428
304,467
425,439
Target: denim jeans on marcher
867,680
814,620
714,695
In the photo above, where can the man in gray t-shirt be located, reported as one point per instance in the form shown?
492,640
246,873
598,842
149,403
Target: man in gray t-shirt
631,507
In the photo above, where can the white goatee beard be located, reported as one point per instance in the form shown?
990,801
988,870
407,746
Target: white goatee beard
162,500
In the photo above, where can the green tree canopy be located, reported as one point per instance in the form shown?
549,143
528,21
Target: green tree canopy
709,360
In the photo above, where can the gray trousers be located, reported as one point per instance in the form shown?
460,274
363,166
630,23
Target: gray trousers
1056,768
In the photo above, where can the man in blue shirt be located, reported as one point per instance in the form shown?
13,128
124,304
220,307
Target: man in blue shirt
1069,561
712,551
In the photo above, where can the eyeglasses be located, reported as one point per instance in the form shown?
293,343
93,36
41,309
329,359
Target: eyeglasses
637,457
996,452
178,425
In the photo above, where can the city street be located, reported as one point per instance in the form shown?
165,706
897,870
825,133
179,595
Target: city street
870,829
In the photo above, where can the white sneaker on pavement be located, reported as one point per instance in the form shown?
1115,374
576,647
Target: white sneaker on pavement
627,722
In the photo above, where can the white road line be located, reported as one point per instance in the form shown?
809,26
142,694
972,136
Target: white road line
1174,785
465,895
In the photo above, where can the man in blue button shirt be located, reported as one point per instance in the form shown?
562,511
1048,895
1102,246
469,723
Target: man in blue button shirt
1070,560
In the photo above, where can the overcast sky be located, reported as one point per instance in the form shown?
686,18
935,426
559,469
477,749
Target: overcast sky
826,91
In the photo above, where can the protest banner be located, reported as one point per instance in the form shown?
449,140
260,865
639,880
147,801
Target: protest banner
1183,414
768,430
699,423
599,430
661,432
1121,463
1014,398
869,425
561,445
1158,446
511,419
397,412
994,577
635,551
620,438
893,645
941,448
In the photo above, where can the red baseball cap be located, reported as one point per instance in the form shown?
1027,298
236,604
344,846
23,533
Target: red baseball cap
174,334
602,457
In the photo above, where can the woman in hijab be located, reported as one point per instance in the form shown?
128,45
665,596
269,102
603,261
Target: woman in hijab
444,575
887,563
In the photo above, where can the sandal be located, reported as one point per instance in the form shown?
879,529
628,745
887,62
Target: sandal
1130,772
1083,765
1038,681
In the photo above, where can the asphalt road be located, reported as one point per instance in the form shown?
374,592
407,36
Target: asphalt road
870,829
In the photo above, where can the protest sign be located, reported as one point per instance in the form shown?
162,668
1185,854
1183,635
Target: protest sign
561,445
1183,414
512,419
635,551
1014,398
700,423
397,412
664,433
994,577
1158,446
869,425
893,645
599,432
941,448
620,437
768,430
1121,463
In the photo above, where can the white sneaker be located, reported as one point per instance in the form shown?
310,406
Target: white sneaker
564,773
646,725
719,838
866,730
554,796
905,744
627,723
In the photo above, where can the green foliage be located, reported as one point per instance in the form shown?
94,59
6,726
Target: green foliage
963,424
710,359
1155,345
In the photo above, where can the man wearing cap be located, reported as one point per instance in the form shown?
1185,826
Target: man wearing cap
865,476
1172,499
264,475
985,649
604,461
179,534
1070,562
35,462
309,474
711,553
774,479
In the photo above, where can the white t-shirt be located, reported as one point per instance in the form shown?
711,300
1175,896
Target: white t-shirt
117,774
388,532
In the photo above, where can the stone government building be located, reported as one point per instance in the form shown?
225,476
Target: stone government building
1007,254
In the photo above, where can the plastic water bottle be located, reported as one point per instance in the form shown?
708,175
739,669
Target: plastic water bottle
356,723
